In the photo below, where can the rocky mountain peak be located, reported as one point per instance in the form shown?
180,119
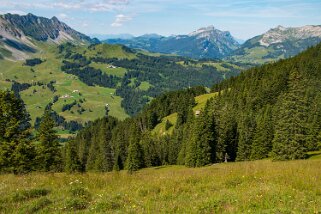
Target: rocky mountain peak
281,34
18,33
202,31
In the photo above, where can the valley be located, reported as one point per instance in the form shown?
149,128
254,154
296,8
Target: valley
186,123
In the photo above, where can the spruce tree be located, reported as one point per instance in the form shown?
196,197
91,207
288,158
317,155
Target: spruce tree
151,157
201,149
72,162
314,124
135,158
49,152
226,129
17,152
246,130
262,142
290,130
105,159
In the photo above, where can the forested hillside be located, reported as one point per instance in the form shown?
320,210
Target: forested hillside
77,81
143,77
270,111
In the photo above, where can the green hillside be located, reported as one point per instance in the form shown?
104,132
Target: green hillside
37,97
172,118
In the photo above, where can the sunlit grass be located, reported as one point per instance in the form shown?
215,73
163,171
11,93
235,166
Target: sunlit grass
254,187
50,70
172,118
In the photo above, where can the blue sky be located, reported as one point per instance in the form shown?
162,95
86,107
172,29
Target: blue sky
243,18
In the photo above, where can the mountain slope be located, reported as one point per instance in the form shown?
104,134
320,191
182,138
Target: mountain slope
19,34
272,111
278,43
204,43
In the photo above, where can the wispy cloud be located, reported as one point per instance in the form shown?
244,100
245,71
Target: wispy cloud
63,16
120,20
265,13
19,12
172,16
85,5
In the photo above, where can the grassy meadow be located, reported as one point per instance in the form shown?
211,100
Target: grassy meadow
172,118
243,187
37,97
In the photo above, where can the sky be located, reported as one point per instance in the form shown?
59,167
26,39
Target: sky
243,18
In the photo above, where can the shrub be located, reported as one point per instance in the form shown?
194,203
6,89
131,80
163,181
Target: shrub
29,194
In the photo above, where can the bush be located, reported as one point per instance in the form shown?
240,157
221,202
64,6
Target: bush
80,192
76,204
37,205
29,194
33,62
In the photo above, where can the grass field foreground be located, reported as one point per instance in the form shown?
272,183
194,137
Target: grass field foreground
244,187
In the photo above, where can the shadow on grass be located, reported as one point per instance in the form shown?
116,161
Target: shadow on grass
314,155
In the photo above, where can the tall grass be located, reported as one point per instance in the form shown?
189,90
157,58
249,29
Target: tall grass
245,187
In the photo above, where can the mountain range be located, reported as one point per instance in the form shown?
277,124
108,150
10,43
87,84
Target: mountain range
209,42
20,35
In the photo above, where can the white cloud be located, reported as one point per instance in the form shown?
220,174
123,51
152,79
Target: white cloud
85,5
63,5
120,20
63,16
19,12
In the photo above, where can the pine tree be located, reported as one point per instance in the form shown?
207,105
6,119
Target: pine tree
314,126
49,152
151,157
135,158
226,129
16,149
262,142
105,160
246,130
290,130
72,162
201,149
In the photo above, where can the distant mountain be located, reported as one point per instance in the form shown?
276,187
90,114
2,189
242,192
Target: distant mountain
205,42
278,43
18,34
240,41
111,36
